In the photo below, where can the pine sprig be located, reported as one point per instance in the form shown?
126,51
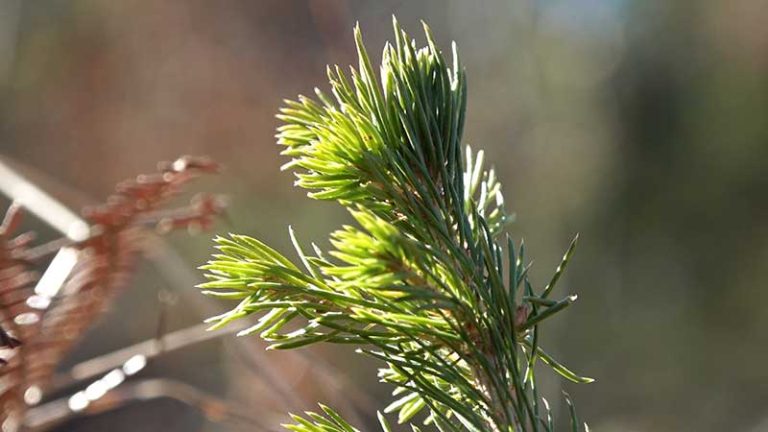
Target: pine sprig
422,282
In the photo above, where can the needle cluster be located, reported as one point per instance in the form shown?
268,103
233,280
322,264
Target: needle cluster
426,281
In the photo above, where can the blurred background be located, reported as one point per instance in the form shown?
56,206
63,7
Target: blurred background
641,124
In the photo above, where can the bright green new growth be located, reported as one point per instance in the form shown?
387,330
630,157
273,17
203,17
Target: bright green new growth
422,283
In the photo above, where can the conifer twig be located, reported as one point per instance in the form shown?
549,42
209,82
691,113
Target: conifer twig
426,282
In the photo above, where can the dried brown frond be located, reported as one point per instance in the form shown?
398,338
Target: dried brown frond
39,325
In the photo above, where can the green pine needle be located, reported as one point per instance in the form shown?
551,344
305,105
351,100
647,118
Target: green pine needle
420,281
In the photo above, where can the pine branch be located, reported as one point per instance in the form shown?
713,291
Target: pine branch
421,282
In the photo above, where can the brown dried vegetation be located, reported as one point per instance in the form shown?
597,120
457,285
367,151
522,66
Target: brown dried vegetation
38,328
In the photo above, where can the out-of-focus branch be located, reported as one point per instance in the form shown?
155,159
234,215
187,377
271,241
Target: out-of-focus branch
149,349
213,408
42,205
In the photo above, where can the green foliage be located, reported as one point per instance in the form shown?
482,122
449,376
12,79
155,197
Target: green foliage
426,281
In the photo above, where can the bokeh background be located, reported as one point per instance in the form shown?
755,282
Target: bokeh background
641,124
